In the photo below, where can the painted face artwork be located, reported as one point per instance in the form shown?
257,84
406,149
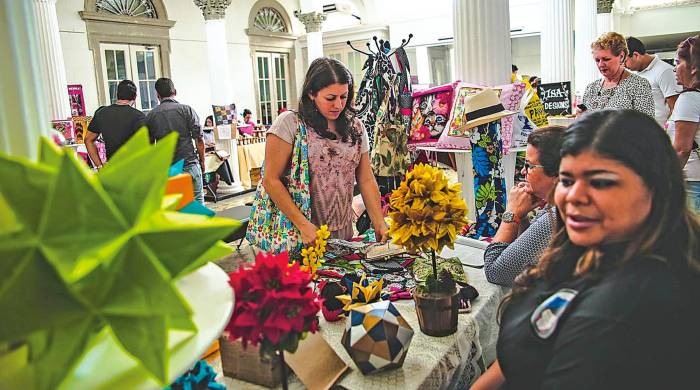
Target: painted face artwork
600,199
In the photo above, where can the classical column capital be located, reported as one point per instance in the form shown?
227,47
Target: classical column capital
605,6
312,20
213,9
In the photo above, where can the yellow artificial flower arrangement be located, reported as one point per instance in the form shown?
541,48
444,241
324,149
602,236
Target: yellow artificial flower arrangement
426,211
312,256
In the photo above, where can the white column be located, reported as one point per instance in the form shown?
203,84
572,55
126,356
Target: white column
557,41
586,32
314,37
604,23
422,65
220,85
482,41
219,70
23,115
52,63
482,56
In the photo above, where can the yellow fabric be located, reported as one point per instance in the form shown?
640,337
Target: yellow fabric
250,156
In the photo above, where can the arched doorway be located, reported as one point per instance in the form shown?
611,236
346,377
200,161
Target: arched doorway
272,51
129,40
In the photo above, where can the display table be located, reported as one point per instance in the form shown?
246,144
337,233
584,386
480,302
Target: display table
432,362
250,156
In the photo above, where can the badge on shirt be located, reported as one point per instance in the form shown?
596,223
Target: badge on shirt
546,316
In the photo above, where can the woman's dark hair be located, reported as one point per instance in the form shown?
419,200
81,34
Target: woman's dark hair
247,112
670,231
547,141
323,72
689,51
208,118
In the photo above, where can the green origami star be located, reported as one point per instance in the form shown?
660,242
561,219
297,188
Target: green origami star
81,252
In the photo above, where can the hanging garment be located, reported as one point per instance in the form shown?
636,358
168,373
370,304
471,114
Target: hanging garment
366,102
390,156
489,179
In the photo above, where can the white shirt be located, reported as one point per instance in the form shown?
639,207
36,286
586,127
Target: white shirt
688,109
663,84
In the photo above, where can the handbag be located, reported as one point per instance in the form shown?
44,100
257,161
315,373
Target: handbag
268,228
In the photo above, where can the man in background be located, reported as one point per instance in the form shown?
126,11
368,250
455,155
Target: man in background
172,116
659,74
117,123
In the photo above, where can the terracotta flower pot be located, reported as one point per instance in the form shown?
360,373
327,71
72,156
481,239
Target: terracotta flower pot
437,312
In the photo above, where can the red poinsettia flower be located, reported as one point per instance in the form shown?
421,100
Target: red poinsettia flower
275,304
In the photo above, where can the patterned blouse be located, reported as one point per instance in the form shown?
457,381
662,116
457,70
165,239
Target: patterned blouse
503,261
332,165
633,93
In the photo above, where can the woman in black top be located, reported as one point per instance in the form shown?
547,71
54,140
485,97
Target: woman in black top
613,304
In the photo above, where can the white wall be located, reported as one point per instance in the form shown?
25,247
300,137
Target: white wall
188,56
661,21
80,68
526,55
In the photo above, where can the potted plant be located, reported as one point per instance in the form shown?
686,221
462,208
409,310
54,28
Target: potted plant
275,308
426,213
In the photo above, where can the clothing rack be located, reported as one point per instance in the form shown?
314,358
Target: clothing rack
384,103
382,46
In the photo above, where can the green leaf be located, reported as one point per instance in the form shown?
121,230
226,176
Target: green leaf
199,232
148,186
146,339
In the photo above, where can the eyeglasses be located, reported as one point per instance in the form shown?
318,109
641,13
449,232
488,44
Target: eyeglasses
527,166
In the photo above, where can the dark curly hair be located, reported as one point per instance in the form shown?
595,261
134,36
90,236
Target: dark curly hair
323,72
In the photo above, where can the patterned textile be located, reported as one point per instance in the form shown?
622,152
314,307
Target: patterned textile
423,267
225,115
503,261
367,101
489,180
269,229
390,156
431,112
510,95
633,93
332,165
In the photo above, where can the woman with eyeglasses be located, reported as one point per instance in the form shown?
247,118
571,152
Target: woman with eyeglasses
686,116
614,303
518,244
618,88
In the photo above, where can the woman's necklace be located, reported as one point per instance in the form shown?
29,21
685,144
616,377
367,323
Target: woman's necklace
617,82
610,92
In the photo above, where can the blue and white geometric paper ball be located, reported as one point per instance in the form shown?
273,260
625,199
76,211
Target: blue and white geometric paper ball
377,337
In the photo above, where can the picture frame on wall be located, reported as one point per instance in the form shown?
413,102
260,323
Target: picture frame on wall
77,100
